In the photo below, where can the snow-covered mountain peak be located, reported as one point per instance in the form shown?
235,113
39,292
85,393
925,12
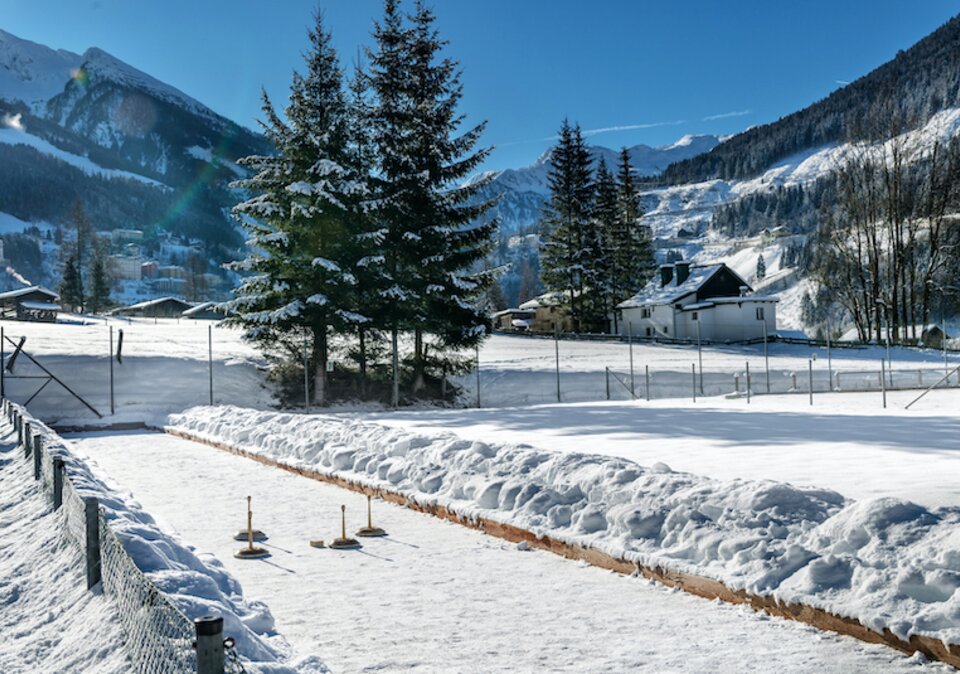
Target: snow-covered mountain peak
33,73
100,65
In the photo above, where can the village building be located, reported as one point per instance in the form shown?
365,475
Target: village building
513,320
710,302
205,310
549,313
126,267
34,303
162,307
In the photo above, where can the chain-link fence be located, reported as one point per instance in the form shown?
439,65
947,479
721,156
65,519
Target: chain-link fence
160,638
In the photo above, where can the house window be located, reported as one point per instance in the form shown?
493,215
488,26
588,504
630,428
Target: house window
649,331
645,312
693,316
760,316
666,330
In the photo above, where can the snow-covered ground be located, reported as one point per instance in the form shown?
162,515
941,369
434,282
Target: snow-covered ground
197,584
844,441
48,621
434,596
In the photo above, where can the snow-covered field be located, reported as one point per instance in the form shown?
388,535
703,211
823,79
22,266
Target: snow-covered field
434,596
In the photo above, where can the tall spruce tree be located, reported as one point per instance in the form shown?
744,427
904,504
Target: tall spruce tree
71,287
298,283
761,268
99,298
600,264
633,256
566,220
429,247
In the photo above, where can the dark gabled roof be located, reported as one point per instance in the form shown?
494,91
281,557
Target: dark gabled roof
654,293
20,292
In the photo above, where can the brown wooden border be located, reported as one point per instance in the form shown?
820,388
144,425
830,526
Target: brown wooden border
693,584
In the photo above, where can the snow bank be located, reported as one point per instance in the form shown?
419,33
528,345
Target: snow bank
886,562
198,585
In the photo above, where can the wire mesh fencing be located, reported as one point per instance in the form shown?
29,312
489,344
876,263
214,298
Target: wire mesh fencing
160,638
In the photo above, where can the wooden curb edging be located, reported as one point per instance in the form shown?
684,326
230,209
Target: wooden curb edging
691,583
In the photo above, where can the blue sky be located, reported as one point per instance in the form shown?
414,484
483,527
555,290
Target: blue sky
660,69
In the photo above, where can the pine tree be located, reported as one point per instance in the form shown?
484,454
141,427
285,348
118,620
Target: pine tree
429,247
633,256
298,283
71,287
761,268
566,219
99,298
601,268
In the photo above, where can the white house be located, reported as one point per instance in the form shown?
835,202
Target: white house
711,302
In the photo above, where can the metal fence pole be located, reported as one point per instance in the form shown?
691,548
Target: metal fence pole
630,347
883,383
3,364
766,358
699,355
57,482
693,371
829,361
748,382
210,358
37,446
91,507
478,375
556,348
209,645
810,364
25,438
606,372
113,408
646,376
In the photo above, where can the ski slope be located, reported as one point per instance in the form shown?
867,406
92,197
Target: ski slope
434,596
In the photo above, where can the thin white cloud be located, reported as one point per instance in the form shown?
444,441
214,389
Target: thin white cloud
843,82
727,115
596,132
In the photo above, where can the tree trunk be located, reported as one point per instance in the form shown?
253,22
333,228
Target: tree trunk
395,393
320,366
418,360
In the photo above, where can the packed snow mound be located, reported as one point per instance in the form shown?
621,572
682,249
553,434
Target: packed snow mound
887,562
198,584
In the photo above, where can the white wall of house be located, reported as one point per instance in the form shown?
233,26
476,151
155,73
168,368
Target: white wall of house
726,321
650,321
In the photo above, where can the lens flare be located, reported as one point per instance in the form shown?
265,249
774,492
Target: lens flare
80,76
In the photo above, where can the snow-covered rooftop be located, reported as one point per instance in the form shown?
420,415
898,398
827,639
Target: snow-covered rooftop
20,292
713,301
654,293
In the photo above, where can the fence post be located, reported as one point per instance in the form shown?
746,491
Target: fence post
736,383
37,445
91,508
210,359
748,382
810,364
883,383
556,349
606,372
646,376
25,439
113,407
57,482
477,349
693,371
209,631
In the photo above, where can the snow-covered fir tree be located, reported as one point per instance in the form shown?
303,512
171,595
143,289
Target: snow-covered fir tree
761,268
566,219
429,247
600,268
297,217
633,257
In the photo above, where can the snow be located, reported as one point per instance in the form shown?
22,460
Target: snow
31,72
50,623
887,562
13,136
198,585
10,224
434,596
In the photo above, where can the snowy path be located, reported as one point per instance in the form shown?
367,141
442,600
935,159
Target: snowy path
438,597
845,441
49,622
